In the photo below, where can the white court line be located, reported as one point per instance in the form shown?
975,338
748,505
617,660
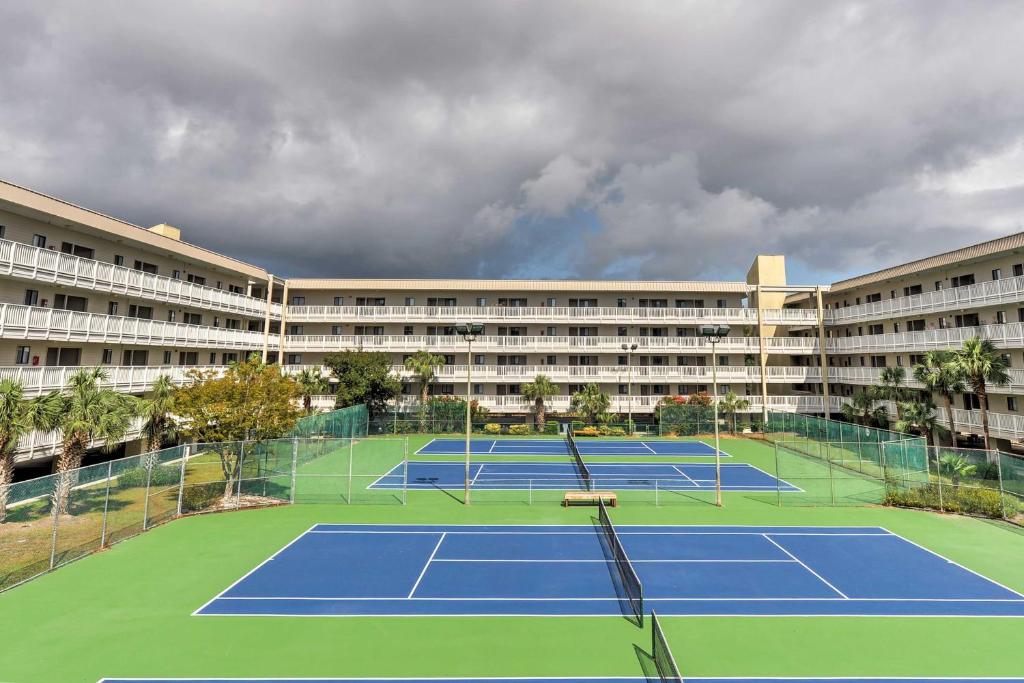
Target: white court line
649,448
688,476
251,571
424,570
851,679
607,599
570,561
425,446
494,442
816,574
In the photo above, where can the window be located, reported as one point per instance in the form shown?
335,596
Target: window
552,331
552,301
294,359
552,360
108,356
878,361
623,360
875,328
368,301
409,301
899,361
1000,317
39,241
167,357
896,328
66,302
1018,269
653,303
997,273
32,297
298,301
176,274
916,359
145,267
481,301
722,303
188,358
479,359
514,302
213,357
236,289
139,357
962,280
216,321
723,361
337,330
622,332
295,329
1011,404
192,318
196,279
118,260
971,402
232,323
966,320
65,356
938,285
872,298
112,308
441,301
582,303
228,357
145,312
220,285
689,303
22,355
911,290
622,390
3,231
407,330
621,303
942,323
77,250
171,315
915,325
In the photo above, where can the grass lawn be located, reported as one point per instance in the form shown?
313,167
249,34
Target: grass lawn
126,611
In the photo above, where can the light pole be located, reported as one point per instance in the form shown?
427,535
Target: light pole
469,333
629,349
713,334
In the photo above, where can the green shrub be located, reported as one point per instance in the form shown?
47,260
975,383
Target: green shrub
587,431
520,430
605,430
163,475
551,427
962,500
492,428
198,497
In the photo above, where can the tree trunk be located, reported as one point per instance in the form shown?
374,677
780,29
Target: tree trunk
539,409
68,462
949,414
983,405
6,477
423,407
307,402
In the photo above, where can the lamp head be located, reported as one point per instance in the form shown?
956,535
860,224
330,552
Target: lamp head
714,332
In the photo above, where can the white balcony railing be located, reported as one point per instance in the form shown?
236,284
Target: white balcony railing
43,445
869,376
546,315
549,344
993,292
128,379
1010,335
623,404
50,324
44,265
617,374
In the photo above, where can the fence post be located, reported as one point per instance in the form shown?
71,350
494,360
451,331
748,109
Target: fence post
295,466
145,505
655,493
938,475
106,505
778,475
185,451
351,453
831,475
241,473
999,475
529,484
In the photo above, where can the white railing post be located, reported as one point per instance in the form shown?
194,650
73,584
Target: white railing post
185,452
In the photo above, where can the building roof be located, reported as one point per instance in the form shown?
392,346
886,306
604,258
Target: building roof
962,255
39,206
443,285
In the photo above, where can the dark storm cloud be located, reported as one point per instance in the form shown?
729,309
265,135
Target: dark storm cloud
661,139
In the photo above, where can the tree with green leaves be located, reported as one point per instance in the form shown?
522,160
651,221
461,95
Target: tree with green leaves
892,386
956,467
250,401
19,416
538,391
941,375
424,365
311,383
918,416
364,377
157,407
981,364
89,412
590,403
731,404
861,409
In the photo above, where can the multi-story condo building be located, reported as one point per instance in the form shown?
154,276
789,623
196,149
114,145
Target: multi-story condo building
78,288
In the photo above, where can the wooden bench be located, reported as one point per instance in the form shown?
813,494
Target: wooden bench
590,498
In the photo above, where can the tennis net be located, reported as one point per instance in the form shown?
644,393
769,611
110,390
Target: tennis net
631,586
570,441
668,671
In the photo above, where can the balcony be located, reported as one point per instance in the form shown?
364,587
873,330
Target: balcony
1010,335
128,379
994,292
50,324
545,344
26,262
616,374
547,315
622,404
45,445
868,376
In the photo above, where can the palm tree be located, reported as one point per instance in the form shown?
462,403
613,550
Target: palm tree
88,412
731,404
939,374
590,403
920,417
157,408
312,383
980,363
860,407
892,387
18,416
538,391
422,364
957,467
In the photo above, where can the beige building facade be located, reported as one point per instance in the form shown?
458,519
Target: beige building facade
78,288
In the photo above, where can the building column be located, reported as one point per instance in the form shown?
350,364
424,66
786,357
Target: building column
822,355
266,317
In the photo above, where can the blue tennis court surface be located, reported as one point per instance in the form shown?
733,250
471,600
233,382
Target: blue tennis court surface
560,680
588,447
515,476
424,570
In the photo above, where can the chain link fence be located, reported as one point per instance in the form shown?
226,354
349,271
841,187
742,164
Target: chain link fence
54,520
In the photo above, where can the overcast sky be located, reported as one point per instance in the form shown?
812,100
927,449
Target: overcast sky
657,140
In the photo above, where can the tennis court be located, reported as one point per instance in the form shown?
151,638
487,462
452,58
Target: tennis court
588,447
559,680
519,476
437,570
